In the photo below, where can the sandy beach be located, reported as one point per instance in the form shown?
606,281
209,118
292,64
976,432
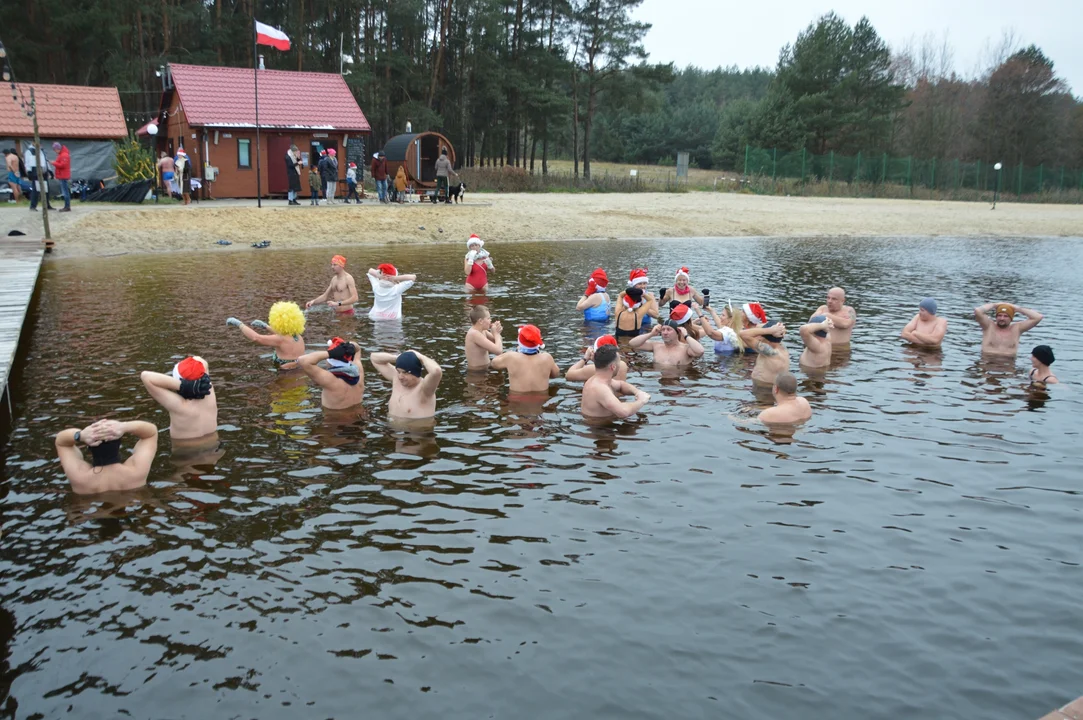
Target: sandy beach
106,230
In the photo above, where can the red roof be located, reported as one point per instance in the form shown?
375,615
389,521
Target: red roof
64,111
225,97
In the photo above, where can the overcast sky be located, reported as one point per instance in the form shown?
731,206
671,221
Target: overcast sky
709,33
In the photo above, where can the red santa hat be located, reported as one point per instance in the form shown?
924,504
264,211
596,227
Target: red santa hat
475,240
530,339
755,313
682,271
605,340
680,314
633,300
387,269
598,281
638,277
331,345
190,368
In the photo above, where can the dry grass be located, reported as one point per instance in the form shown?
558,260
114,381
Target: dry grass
696,177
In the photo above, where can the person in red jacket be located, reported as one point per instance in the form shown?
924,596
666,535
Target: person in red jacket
379,174
62,172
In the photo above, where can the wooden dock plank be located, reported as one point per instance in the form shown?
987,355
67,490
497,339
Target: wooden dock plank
20,262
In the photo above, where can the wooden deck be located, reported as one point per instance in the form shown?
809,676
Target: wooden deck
1071,711
20,261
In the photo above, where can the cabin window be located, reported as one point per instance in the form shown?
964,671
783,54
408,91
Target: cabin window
244,153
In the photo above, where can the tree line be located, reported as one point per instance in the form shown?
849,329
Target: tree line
518,82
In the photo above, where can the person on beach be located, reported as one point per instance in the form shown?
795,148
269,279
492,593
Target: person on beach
287,322
529,367
341,293
328,167
681,291
482,339
1041,357
816,336
184,175
926,328
584,368
789,409
772,357
294,166
842,316
443,170
1000,336
351,184
678,347
314,184
595,303
414,379
166,168
387,289
106,472
343,383
726,339
378,171
401,182
476,265
37,169
11,162
62,173
188,395
602,391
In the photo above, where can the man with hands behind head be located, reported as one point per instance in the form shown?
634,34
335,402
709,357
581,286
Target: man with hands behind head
107,472
343,384
1000,336
414,379
678,347
189,397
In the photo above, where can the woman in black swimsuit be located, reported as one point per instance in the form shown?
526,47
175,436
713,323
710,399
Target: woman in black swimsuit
1041,358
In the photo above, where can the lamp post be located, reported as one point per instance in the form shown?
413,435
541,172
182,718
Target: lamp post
996,190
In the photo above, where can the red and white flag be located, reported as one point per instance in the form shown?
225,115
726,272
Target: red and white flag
267,35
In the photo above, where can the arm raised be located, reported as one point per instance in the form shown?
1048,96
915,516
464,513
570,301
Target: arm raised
163,388
384,363
1033,318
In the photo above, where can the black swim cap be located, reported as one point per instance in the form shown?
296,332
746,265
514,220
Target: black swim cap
1044,354
818,319
408,362
106,453
771,338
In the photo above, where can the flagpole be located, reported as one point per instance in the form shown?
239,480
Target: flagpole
255,75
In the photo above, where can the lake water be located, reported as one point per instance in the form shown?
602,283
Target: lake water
913,552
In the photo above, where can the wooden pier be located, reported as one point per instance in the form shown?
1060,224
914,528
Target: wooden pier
1071,711
20,261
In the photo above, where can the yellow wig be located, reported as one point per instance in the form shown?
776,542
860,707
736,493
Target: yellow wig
286,318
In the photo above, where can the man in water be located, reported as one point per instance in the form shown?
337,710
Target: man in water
188,396
341,294
842,317
789,408
817,340
529,369
1001,336
584,368
414,379
601,391
387,289
343,384
107,472
677,346
772,357
482,338
926,328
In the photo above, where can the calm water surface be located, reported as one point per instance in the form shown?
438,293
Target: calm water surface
913,552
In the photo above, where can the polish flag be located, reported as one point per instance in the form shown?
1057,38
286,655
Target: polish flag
267,35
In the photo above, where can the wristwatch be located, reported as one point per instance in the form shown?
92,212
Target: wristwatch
77,434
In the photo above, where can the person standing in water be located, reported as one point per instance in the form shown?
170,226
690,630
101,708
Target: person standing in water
387,289
595,303
677,346
600,399
682,291
772,357
637,278
287,322
816,335
925,328
726,340
477,265
414,379
341,293
343,385
1001,336
789,409
107,472
482,339
188,395
530,368
584,368
1041,357
843,317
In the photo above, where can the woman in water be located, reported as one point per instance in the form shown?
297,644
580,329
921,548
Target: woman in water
681,291
476,265
287,322
632,313
595,303
638,279
727,341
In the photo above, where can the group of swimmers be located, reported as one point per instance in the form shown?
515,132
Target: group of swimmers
187,393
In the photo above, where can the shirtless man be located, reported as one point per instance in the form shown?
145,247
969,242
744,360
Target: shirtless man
189,397
925,328
584,369
600,392
530,368
817,339
11,174
842,316
413,396
772,357
107,472
482,338
1001,336
344,384
789,408
677,346
341,294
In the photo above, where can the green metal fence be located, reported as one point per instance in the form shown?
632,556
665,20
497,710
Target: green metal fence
910,172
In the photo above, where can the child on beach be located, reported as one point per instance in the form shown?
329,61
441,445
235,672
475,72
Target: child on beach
314,184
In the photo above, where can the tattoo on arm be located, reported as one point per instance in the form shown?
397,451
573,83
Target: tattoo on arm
765,348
